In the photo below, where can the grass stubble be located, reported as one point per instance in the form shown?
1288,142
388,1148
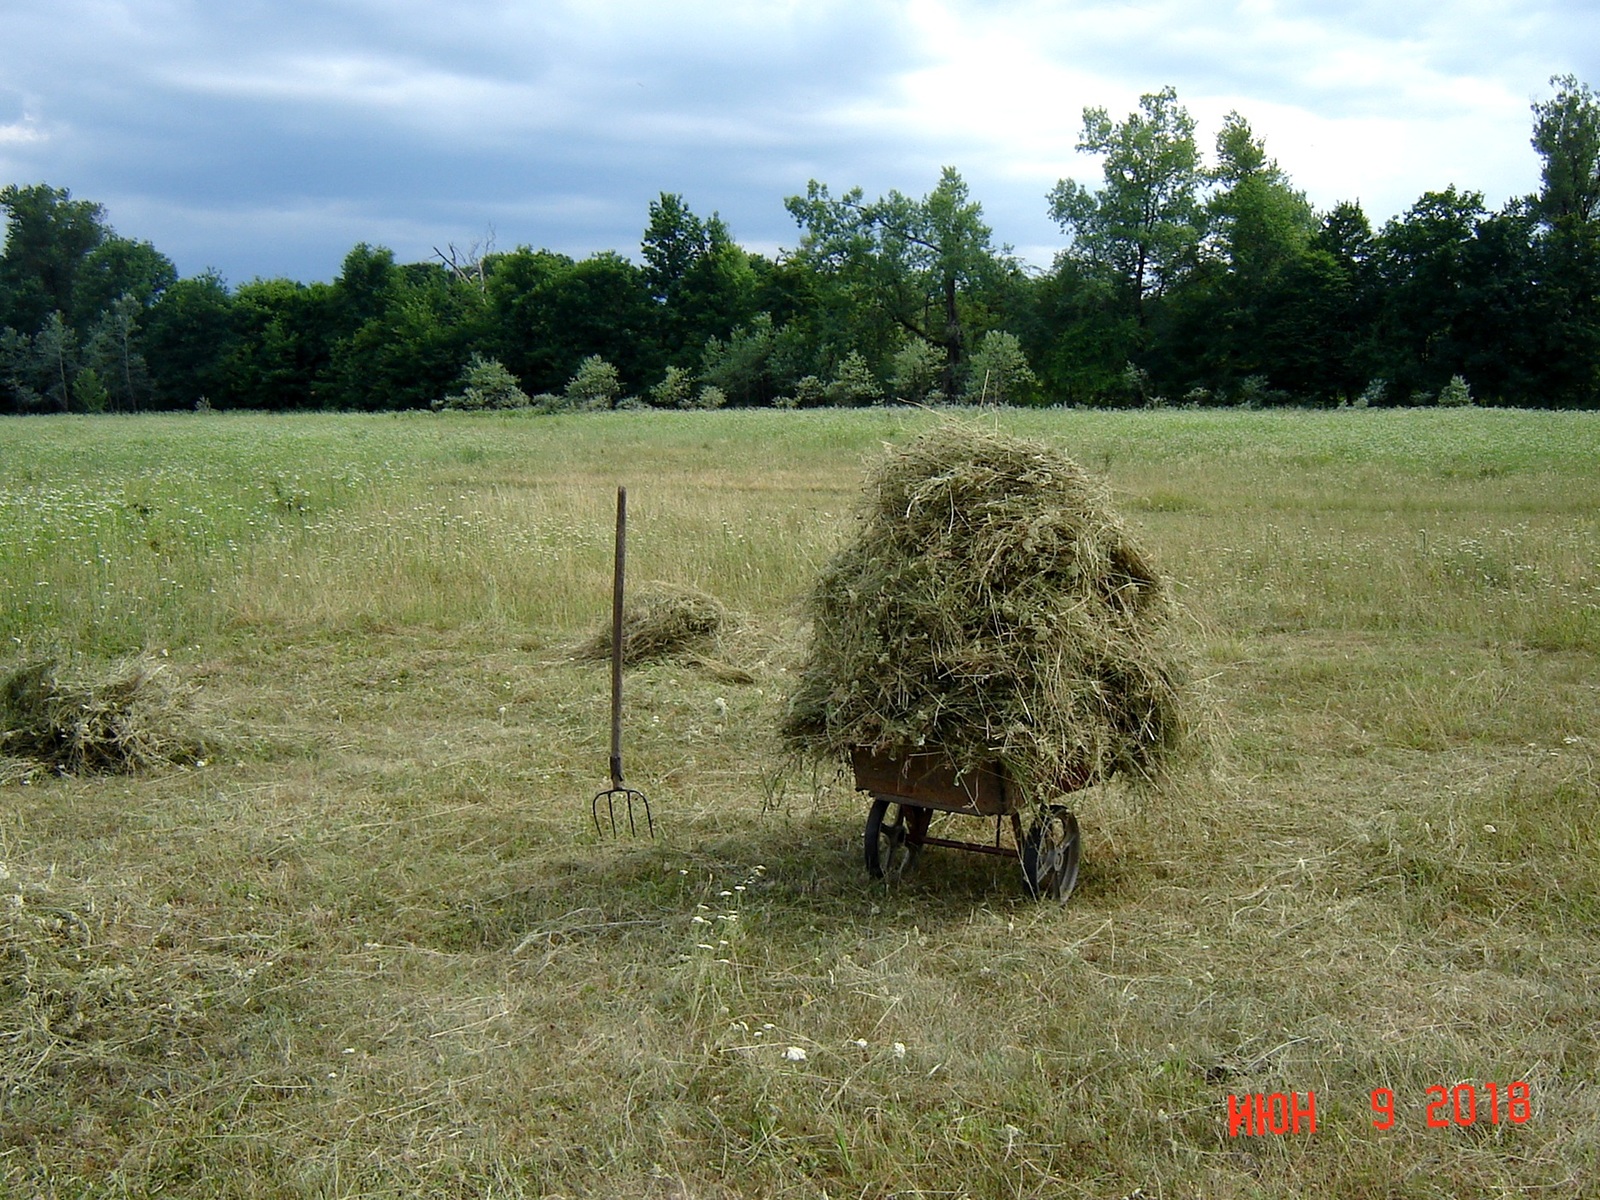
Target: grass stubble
373,948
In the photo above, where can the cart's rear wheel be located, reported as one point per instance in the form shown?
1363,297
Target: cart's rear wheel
894,837
1050,854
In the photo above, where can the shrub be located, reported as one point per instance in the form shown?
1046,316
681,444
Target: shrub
854,383
1455,394
710,397
675,390
594,385
485,383
90,391
1374,393
809,392
1134,385
998,372
916,370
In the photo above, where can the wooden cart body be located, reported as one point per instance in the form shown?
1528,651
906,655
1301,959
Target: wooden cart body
908,789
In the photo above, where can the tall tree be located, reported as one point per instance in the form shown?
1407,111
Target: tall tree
418,327
17,391
286,335
1426,267
190,336
548,313
115,353
55,354
927,266
1144,224
115,268
1258,219
1566,133
700,278
1229,319
48,237
365,285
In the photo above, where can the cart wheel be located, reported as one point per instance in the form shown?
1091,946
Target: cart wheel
894,837
1050,854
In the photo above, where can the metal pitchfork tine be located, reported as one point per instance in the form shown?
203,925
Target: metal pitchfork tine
618,789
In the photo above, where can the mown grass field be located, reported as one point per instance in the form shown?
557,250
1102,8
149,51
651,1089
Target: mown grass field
373,947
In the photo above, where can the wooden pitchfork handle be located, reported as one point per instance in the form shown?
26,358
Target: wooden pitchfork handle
618,573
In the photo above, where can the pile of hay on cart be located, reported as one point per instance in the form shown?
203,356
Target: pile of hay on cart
992,608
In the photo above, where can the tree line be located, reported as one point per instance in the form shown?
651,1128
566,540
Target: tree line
1179,282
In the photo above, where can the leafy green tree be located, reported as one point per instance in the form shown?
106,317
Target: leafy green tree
118,267
1226,320
900,266
367,282
702,281
1566,133
415,328
189,339
754,364
284,350
1258,220
1424,267
522,318
674,389
710,396
1566,258
48,237
1144,225
1336,298
114,351
809,392
1501,335
89,391
548,313
1079,334
17,391
55,361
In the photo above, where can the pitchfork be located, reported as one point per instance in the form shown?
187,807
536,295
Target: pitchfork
618,789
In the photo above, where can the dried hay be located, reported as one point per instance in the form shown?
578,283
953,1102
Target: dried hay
660,620
133,717
992,608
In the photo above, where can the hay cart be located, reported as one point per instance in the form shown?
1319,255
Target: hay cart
907,791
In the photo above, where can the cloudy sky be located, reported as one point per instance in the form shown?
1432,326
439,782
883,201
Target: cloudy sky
267,137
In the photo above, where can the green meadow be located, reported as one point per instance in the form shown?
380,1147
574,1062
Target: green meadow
372,946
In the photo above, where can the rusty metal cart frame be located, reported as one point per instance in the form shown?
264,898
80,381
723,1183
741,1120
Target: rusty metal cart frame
907,791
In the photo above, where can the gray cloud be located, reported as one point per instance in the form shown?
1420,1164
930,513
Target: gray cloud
265,137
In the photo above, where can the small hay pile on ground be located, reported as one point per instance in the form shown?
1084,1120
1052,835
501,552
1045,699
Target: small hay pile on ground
660,620
992,608
132,717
